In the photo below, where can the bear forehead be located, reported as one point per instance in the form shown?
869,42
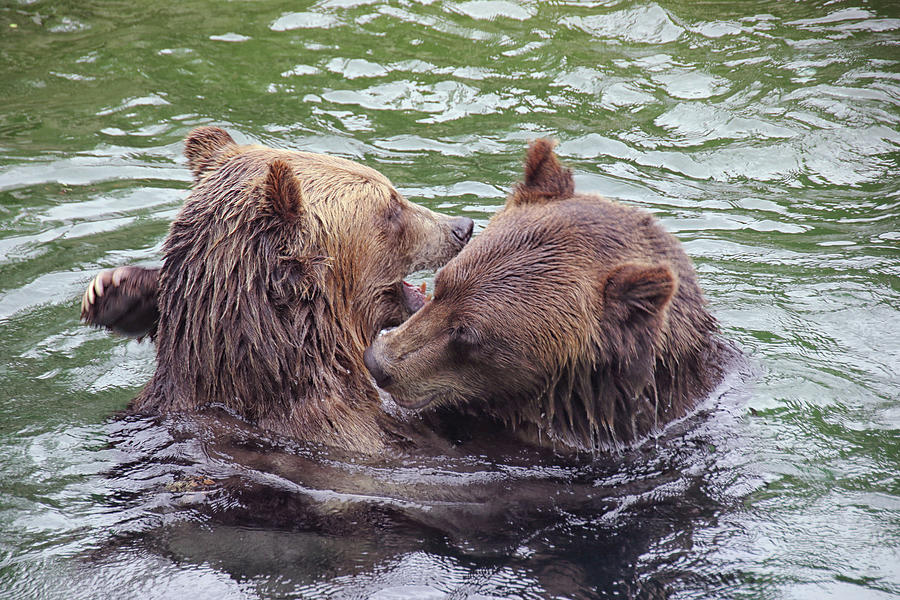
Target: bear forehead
564,228
513,260
335,185
576,212
320,170
551,244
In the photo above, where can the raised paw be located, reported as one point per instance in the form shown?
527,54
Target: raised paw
96,288
123,300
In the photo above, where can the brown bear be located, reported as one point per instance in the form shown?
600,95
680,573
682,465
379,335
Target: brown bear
278,272
575,321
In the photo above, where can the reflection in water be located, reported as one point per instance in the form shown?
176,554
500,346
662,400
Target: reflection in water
763,134
506,521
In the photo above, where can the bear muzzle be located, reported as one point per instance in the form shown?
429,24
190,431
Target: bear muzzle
462,229
375,366
375,362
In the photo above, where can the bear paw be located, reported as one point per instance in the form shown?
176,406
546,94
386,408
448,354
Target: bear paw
123,300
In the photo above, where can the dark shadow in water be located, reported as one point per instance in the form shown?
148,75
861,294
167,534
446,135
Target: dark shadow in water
211,491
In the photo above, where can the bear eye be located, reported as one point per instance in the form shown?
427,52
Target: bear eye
393,212
464,338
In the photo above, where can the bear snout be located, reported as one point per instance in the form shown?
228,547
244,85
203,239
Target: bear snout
375,366
462,228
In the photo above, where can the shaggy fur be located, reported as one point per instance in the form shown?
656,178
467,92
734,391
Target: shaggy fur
573,320
277,273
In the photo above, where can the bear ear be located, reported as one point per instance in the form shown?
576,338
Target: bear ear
638,292
203,145
282,191
545,178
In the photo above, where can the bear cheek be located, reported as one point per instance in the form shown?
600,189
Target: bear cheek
429,366
391,316
502,369
401,242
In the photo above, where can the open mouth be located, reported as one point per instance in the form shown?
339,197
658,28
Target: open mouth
400,301
412,297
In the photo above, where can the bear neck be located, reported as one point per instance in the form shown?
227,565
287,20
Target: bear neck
609,406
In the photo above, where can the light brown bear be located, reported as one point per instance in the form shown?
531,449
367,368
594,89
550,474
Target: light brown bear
278,272
572,320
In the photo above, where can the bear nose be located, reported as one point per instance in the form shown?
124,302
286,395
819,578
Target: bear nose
462,228
374,366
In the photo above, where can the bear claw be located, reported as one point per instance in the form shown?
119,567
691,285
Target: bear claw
99,285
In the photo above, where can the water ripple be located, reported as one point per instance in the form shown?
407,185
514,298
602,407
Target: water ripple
764,135
649,24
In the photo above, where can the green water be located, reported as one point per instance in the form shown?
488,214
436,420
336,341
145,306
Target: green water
763,134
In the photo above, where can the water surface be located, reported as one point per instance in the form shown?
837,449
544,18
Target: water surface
764,135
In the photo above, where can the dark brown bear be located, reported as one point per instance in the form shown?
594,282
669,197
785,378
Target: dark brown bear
279,270
575,321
